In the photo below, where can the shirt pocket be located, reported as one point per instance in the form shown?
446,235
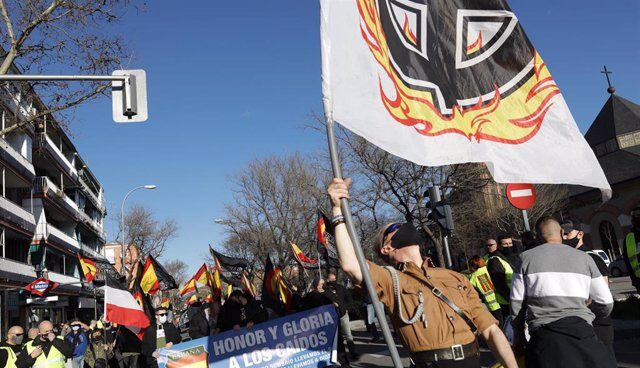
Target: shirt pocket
411,295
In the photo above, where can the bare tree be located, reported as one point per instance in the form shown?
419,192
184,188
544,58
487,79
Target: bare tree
59,36
275,202
178,269
145,234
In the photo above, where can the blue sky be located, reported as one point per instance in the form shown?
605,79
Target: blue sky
231,81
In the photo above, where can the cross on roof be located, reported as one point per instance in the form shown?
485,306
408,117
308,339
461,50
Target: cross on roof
611,89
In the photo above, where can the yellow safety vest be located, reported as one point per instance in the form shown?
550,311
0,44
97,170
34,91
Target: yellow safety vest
11,357
55,359
508,272
481,280
632,254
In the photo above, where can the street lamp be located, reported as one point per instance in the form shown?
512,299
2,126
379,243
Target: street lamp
124,269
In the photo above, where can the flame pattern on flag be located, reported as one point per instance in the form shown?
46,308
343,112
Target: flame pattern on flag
513,120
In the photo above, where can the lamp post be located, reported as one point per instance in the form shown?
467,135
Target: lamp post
124,268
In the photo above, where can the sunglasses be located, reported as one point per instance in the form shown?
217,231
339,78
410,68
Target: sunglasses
391,228
20,334
161,314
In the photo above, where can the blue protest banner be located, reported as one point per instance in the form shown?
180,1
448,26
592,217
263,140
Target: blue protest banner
305,339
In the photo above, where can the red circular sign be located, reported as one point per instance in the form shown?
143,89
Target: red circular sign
521,196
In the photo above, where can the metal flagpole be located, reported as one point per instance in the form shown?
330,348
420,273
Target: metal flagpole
319,266
346,212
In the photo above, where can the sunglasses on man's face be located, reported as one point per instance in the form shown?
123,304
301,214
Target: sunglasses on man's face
20,334
161,314
390,229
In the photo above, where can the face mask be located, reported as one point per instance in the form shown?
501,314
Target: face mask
507,251
18,340
75,328
162,319
571,242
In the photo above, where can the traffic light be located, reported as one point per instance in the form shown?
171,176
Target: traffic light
441,214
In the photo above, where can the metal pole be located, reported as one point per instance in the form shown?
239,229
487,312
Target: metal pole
364,269
525,217
22,77
124,252
95,304
447,253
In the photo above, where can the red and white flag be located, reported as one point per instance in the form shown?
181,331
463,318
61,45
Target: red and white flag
437,83
121,307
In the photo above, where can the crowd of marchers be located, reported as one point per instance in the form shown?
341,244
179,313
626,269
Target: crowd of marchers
545,303
101,344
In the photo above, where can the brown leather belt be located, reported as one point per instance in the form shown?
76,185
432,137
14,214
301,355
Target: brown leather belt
455,352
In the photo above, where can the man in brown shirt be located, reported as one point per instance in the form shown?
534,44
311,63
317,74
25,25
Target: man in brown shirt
439,337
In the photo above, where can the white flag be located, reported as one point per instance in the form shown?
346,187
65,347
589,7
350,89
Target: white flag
438,84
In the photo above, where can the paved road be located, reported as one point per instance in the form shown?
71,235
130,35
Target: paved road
627,335
621,288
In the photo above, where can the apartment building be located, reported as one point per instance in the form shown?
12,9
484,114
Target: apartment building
51,208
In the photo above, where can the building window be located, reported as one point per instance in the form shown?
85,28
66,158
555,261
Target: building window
608,239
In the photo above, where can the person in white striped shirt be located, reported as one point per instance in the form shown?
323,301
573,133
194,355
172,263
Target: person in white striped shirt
550,292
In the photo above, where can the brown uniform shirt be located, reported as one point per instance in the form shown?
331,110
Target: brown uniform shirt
444,327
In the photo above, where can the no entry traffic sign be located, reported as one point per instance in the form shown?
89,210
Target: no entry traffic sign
521,196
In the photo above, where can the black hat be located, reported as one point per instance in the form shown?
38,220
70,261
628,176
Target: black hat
569,225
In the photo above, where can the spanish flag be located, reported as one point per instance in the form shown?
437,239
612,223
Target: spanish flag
248,287
275,292
155,277
193,299
188,288
216,284
301,257
149,282
201,278
166,302
88,267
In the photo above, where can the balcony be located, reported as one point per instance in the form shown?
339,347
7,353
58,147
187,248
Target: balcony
90,252
58,236
18,163
22,272
93,225
44,185
42,140
18,216
91,195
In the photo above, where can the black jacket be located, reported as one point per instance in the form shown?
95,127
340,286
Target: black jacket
498,275
149,342
238,314
339,294
127,341
315,299
65,348
17,349
199,326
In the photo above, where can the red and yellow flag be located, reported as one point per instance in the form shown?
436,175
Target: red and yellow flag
188,288
149,282
248,286
216,284
192,299
89,269
300,256
166,302
201,278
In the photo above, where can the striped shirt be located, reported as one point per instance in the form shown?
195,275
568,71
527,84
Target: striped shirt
555,281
